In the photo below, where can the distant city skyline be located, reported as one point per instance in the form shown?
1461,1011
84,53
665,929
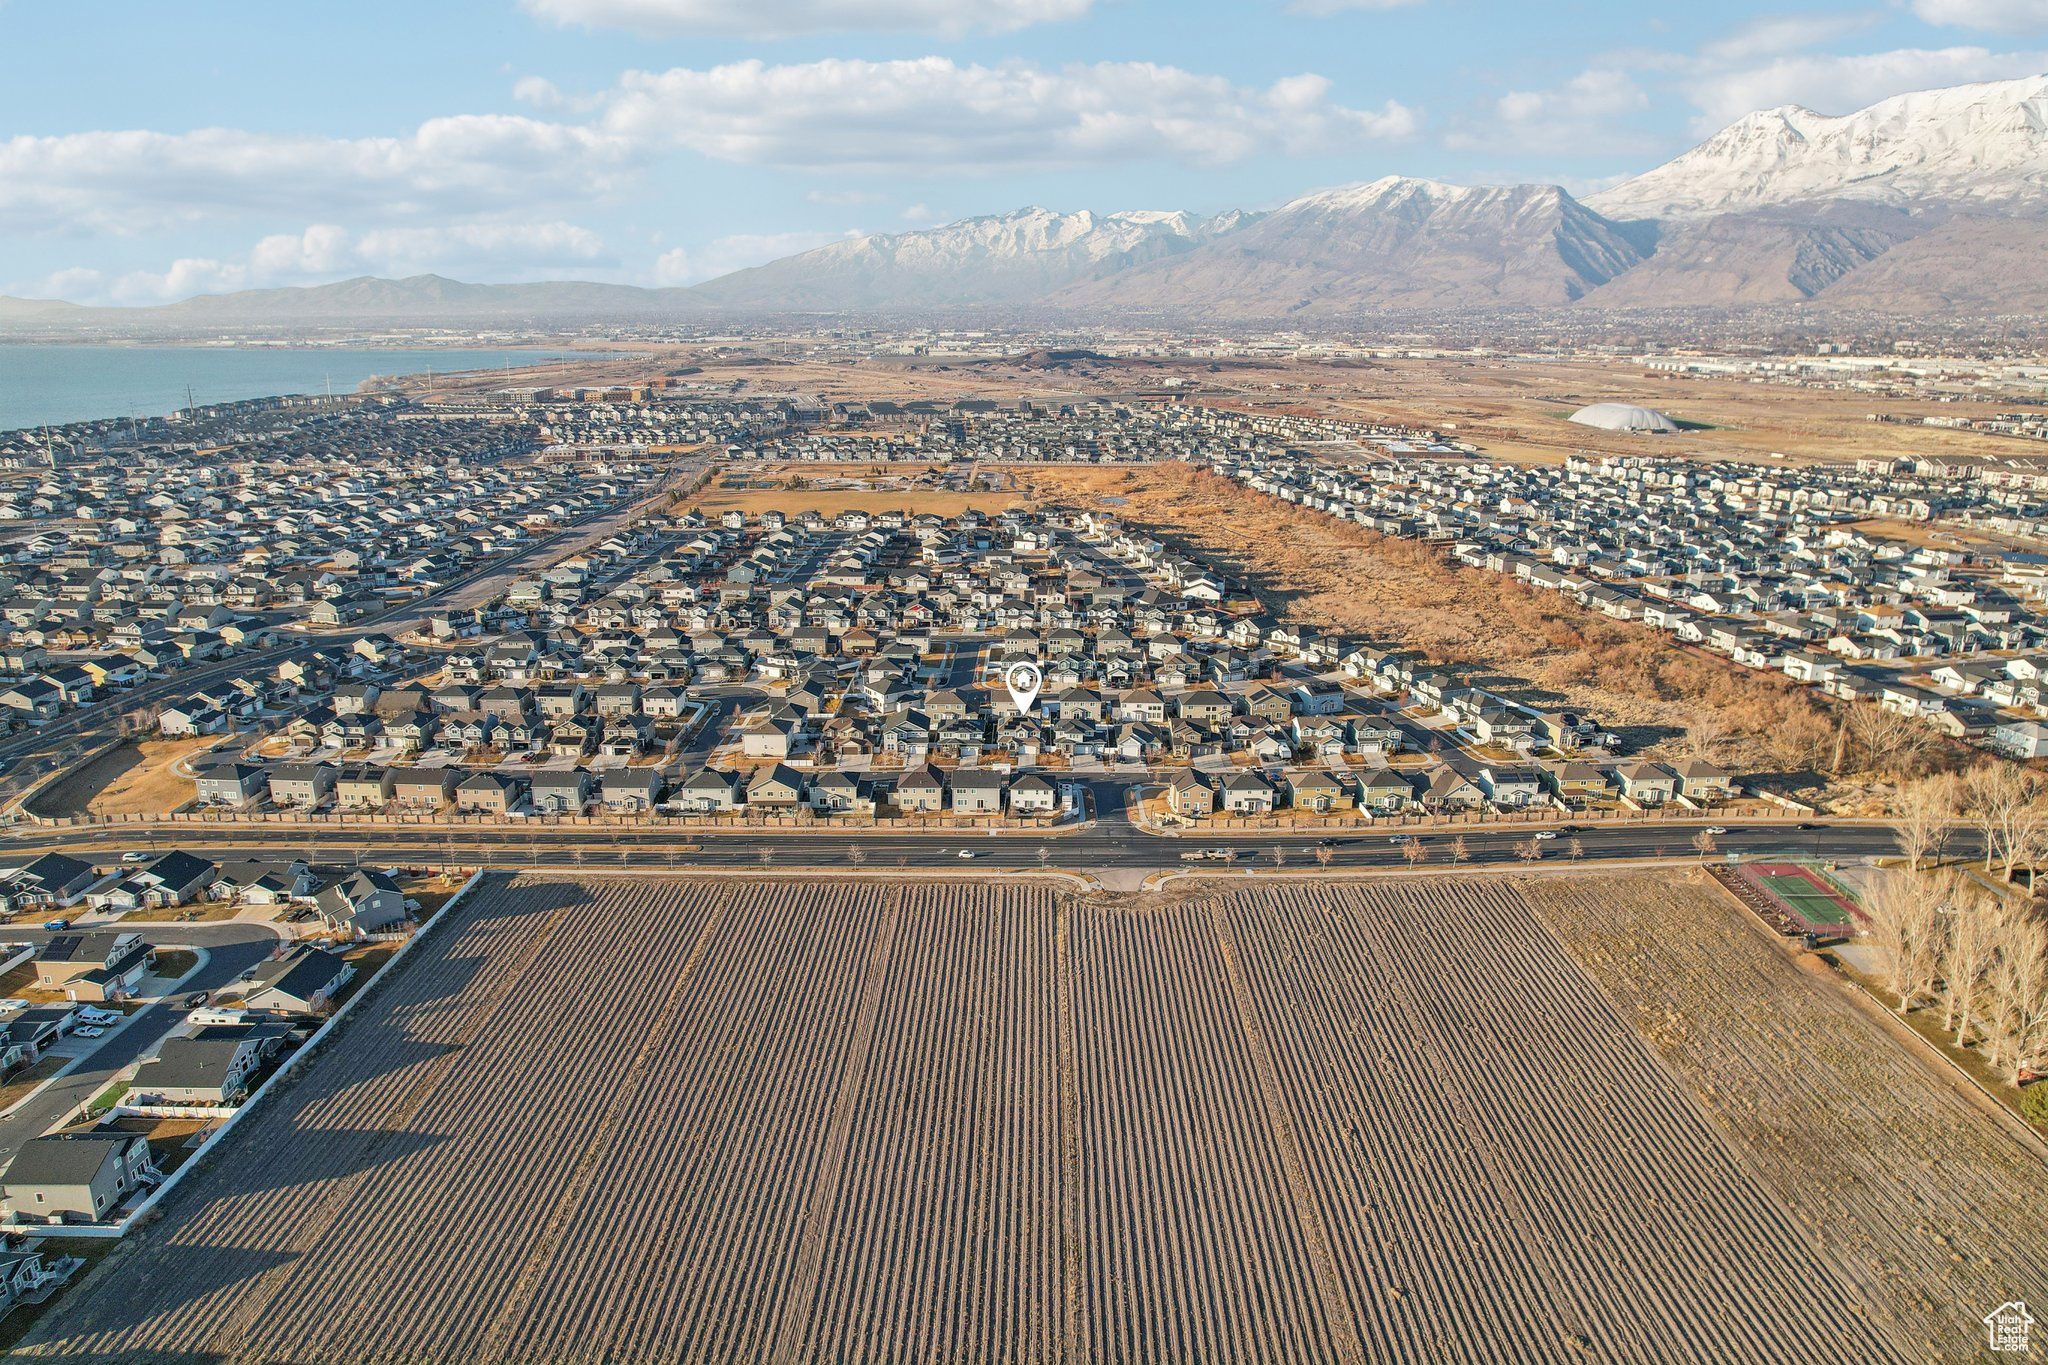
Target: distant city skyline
148,155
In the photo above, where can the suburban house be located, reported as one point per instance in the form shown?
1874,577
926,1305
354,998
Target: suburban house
210,1065
1189,795
362,903
231,784
1647,784
97,966
303,981
75,1177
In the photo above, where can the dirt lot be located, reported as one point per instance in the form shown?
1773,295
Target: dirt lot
1900,1173
138,778
832,488
1390,1121
1309,567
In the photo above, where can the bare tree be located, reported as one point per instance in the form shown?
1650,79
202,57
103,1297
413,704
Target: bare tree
1279,855
1995,796
1044,855
1704,845
1460,851
1530,850
856,855
766,855
1884,741
1324,856
1703,735
1969,950
1415,852
1924,812
1902,924
2017,993
1577,848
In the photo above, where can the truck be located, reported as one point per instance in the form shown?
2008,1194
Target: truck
1208,855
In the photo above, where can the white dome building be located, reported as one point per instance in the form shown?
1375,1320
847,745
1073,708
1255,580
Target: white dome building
1623,417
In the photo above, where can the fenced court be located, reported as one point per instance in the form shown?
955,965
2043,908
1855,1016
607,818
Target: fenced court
1804,900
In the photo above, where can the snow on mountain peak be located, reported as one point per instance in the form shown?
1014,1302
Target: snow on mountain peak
1984,144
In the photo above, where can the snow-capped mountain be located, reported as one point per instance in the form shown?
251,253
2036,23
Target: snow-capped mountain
1001,258
1929,202
1969,145
1392,243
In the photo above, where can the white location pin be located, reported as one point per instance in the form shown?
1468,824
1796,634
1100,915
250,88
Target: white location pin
1023,679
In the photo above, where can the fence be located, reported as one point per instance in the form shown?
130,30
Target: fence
289,1068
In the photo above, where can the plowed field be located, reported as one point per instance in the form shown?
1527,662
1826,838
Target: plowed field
646,1120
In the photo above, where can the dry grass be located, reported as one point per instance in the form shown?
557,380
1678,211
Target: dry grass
1528,646
137,778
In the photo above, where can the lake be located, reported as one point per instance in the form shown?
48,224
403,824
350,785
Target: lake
58,384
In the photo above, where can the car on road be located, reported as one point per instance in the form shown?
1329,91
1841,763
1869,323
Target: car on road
89,1031
1717,829
1806,825
1544,834
1567,829
1329,843
134,856
969,853
56,926
1397,838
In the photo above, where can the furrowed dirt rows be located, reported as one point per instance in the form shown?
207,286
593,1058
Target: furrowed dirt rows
620,1119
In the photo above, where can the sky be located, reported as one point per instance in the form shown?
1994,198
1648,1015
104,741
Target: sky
149,152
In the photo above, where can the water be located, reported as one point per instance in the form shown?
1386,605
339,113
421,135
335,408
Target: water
58,384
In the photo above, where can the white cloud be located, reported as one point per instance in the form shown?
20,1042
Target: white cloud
1780,34
326,252
797,18
1324,8
692,265
1835,84
931,115
135,182
921,215
1591,113
1995,16
928,115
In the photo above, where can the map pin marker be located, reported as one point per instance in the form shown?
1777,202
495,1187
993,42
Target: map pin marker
1023,680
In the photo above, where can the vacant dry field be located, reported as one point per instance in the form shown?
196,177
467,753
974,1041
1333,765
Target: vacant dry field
647,1120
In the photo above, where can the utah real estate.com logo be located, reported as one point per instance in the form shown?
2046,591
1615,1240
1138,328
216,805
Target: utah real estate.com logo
2007,1325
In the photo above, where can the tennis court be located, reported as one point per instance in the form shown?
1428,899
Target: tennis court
1803,895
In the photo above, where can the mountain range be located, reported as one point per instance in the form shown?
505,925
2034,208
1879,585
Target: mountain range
1930,202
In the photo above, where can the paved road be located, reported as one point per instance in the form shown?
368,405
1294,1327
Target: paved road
231,950
1110,843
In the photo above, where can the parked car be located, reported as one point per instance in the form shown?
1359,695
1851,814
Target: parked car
195,1000
93,1016
56,925
9,1006
89,1031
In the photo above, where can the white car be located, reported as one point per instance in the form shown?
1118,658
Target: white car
10,1006
89,1031
969,853
134,857
98,1016
1397,838
1545,834
1717,829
